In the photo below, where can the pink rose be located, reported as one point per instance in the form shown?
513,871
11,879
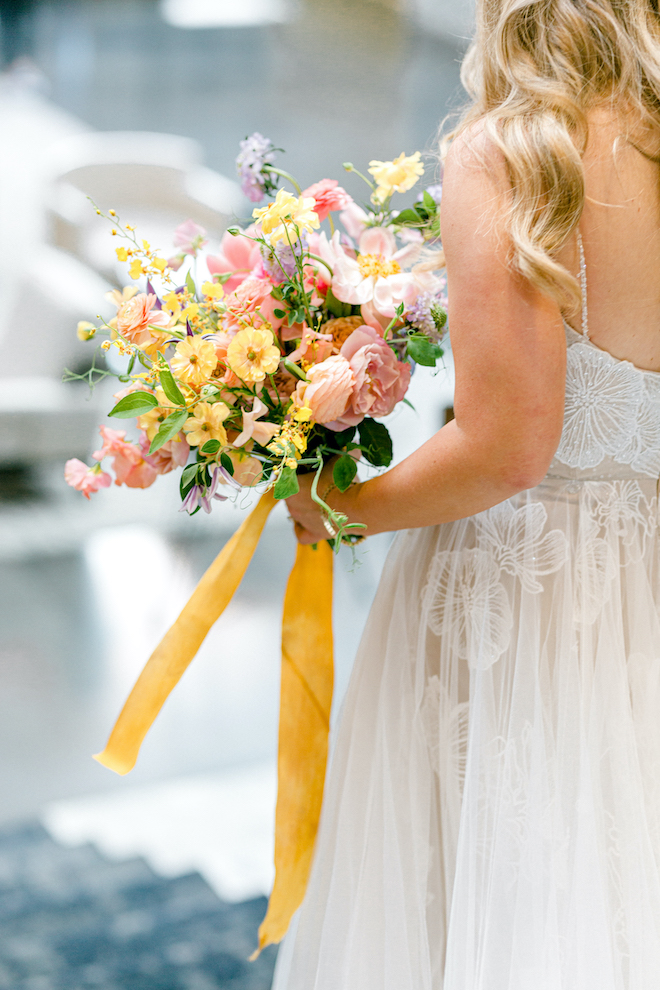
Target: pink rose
381,381
328,390
135,317
85,479
328,196
239,255
171,455
189,237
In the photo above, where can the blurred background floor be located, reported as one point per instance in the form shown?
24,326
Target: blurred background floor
86,590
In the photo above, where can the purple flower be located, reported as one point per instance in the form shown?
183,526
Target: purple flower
285,259
199,496
435,192
256,151
427,314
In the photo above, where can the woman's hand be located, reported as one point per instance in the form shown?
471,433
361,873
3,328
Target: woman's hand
306,514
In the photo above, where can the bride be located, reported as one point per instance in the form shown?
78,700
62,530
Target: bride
492,812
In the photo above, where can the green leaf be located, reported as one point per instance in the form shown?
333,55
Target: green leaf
422,351
429,203
188,478
279,313
343,472
376,442
287,484
341,439
211,447
134,404
170,387
168,429
407,218
227,463
224,277
190,284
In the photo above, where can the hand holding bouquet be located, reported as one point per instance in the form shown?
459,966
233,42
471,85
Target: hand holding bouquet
288,355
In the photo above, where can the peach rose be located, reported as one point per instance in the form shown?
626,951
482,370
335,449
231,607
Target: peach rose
135,317
380,379
328,390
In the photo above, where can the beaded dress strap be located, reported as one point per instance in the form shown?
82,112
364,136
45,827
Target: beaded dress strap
583,288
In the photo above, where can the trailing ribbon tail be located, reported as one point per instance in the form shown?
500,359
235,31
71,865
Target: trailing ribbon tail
305,702
180,644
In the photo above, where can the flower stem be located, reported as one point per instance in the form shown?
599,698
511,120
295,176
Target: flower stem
285,175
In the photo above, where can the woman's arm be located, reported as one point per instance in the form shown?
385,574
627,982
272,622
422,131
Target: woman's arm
510,360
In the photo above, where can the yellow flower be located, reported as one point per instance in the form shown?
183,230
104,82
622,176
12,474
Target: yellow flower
206,423
213,289
150,422
194,360
173,302
159,263
287,211
252,354
397,176
122,254
85,330
191,311
135,268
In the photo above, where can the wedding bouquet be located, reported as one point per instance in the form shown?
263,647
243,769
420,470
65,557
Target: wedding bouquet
243,369
287,353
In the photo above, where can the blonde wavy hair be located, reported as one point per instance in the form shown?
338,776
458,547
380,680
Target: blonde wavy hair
533,71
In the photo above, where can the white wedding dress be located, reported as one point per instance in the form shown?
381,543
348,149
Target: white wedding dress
492,811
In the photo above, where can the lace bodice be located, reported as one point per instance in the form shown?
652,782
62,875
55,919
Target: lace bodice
611,415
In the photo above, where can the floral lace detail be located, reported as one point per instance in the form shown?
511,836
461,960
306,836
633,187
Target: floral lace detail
622,510
467,601
515,539
612,410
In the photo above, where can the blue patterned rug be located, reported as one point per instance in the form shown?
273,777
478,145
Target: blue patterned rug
72,920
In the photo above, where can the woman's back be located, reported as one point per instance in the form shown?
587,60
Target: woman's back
620,227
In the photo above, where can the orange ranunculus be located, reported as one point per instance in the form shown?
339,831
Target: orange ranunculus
139,322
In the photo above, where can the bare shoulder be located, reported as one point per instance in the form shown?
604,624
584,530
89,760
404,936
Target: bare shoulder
476,191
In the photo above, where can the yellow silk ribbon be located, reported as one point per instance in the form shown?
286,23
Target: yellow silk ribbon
305,698
305,701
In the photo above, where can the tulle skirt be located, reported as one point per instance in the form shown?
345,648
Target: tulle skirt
492,811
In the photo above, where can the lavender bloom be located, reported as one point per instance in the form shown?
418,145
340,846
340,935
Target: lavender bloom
200,496
286,259
256,151
192,499
427,315
435,192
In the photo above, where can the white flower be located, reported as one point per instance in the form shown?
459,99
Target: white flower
376,275
466,601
